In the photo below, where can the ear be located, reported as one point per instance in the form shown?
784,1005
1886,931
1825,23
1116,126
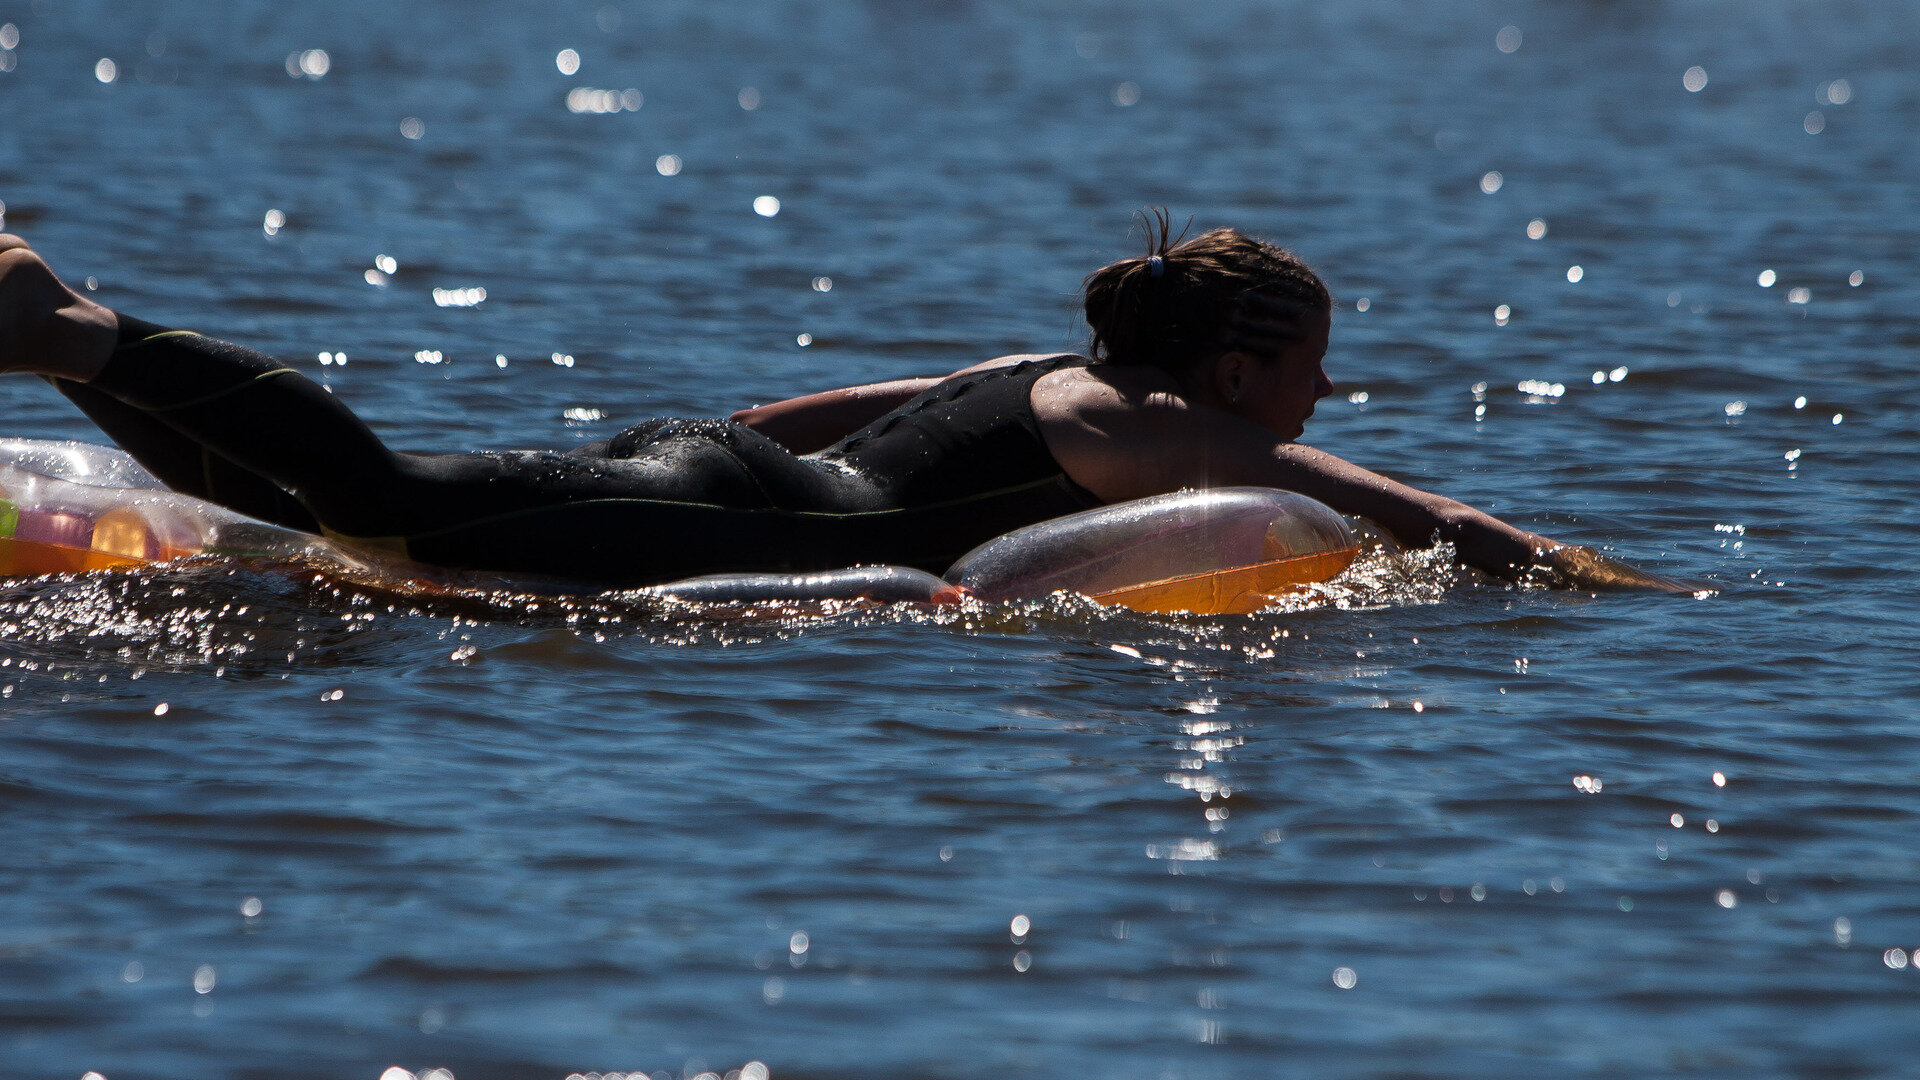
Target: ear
1230,374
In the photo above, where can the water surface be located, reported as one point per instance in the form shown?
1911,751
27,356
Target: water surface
261,823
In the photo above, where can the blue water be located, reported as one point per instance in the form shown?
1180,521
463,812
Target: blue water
269,825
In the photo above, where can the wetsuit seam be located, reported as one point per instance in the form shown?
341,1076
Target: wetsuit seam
151,338
218,394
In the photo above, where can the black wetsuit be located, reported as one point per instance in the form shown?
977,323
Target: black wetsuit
955,466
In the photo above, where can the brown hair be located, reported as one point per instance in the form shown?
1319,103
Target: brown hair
1174,315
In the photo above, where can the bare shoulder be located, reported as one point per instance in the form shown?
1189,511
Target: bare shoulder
1126,433
1106,398
1121,433
1004,361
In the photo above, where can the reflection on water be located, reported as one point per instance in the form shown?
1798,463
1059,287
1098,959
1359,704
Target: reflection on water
1636,276
222,612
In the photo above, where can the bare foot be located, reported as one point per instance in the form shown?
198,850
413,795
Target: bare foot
45,327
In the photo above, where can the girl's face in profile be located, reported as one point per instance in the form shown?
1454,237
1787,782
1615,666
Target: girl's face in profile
1279,392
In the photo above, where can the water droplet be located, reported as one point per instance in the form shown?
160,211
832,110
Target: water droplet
1815,123
823,284
412,128
1490,182
1856,279
251,907
1126,94
1767,278
311,63
204,979
667,164
1362,304
568,61
749,98
1575,273
1536,228
106,70
766,206
1345,978
1508,39
1695,80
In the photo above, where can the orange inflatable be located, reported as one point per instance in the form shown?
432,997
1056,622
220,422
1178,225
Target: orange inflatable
69,507
1220,552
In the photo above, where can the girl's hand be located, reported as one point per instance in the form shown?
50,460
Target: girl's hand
1580,567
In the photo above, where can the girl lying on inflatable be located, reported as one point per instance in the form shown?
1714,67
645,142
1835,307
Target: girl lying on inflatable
1205,365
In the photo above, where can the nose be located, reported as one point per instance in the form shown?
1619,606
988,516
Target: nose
1322,386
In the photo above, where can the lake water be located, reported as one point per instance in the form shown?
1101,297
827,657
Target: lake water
260,825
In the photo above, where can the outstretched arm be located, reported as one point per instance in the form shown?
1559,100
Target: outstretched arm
817,421
1121,449
1482,541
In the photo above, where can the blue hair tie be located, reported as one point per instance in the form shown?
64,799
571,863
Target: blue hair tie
1156,266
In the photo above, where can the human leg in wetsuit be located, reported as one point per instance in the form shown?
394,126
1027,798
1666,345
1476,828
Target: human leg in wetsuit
661,501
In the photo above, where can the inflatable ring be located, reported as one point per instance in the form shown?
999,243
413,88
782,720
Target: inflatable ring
68,507
1217,552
